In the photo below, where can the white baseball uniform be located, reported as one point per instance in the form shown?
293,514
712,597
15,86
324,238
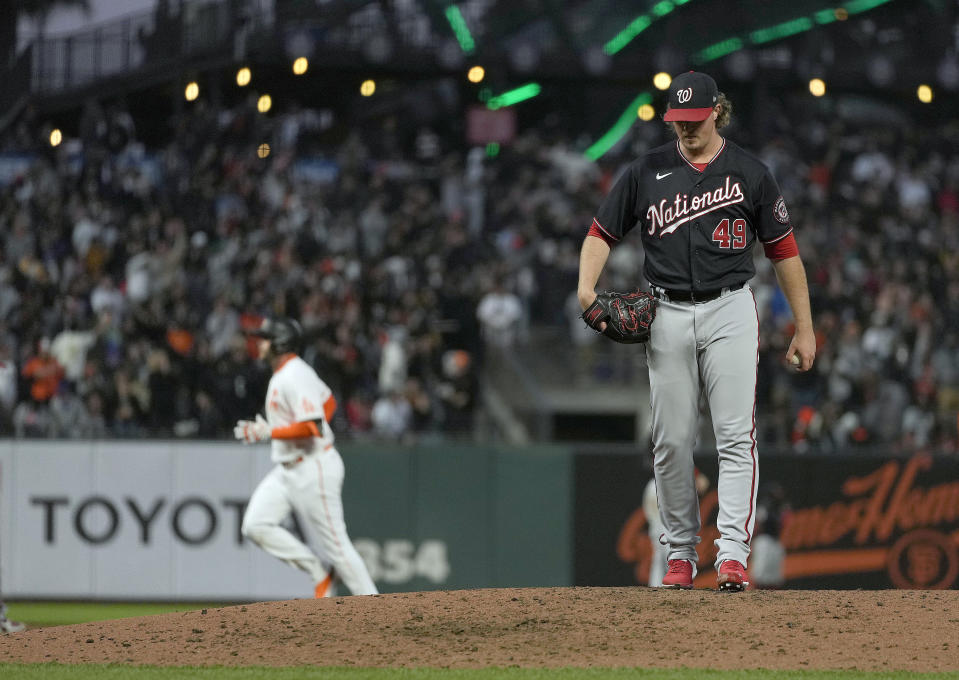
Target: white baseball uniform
308,480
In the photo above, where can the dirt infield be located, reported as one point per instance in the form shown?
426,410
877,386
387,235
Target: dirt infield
543,627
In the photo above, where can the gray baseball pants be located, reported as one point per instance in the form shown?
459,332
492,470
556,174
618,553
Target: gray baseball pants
709,348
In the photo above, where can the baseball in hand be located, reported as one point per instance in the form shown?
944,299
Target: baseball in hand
795,360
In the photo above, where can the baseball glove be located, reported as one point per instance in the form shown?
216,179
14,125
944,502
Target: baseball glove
628,316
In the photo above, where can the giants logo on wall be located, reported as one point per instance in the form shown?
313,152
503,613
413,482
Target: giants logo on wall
897,524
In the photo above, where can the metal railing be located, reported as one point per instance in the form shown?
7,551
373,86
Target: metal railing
153,38
159,38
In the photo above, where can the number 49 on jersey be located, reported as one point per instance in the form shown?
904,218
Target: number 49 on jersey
734,238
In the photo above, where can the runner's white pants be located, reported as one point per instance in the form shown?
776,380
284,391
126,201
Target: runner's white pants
312,489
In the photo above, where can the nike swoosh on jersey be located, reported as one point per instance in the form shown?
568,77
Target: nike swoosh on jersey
658,176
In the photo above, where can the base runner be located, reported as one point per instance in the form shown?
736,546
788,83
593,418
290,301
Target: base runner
9,625
308,476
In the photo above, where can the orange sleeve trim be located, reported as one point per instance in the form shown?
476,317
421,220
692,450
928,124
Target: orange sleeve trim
296,431
782,249
329,408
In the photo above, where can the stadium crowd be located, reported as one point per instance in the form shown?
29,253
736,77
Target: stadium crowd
128,271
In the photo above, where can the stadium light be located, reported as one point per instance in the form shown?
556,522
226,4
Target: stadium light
924,92
300,65
817,87
476,74
367,88
645,112
662,80
192,91
264,103
243,77
55,137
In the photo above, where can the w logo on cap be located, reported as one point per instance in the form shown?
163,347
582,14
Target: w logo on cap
684,95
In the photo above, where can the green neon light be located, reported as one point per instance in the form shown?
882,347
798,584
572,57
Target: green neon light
825,16
460,29
661,9
619,129
783,30
857,6
640,24
510,97
717,50
624,37
712,52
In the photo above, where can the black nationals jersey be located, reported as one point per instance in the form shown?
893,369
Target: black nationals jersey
698,228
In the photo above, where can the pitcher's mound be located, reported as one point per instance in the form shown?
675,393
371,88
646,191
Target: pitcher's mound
538,627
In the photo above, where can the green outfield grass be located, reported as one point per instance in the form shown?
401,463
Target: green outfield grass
93,672
43,614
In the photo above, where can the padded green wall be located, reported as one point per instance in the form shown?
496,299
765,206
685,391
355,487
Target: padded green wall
504,514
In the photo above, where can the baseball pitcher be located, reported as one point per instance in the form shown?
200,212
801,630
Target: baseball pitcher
700,204
308,475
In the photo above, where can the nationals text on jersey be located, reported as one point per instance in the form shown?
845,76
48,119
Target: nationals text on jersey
669,217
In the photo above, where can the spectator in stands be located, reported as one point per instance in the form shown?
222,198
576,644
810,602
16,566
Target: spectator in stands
9,295
163,384
208,416
457,390
392,416
222,325
93,425
44,373
8,386
105,296
371,238
131,403
68,414
500,314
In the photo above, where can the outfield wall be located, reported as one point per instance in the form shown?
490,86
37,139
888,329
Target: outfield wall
161,520
854,521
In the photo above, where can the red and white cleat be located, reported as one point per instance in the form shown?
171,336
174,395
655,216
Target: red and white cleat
732,576
679,575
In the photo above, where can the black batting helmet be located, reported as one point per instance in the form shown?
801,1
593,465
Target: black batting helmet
285,335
